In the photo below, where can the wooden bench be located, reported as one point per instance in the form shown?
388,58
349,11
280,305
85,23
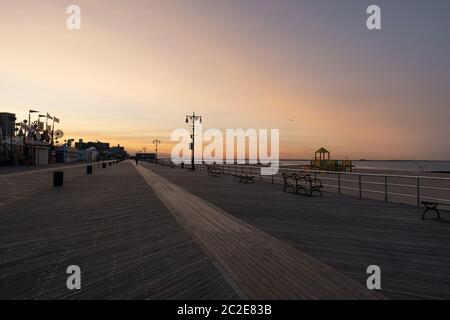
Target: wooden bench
295,182
315,185
245,178
298,182
289,182
216,171
213,170
431,206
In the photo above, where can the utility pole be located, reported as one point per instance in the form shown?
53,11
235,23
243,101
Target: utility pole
156,142
193,118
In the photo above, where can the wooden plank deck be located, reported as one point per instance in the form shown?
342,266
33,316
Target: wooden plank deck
18,184
262,266
113,226
251,241
344,232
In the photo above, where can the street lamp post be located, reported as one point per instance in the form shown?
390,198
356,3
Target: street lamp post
156,142
193,118
19,135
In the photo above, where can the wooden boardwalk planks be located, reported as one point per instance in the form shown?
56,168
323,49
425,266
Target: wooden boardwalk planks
261,265
344,232
126,242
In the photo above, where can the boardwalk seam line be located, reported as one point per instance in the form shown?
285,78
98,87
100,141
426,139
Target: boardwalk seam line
224,236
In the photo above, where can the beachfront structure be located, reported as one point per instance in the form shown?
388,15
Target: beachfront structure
323,162
146,156
66,154
7,137
21,143
118,152
104,150
99,146
7,124
89,154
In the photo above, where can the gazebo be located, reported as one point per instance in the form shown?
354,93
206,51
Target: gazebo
322,154
322,161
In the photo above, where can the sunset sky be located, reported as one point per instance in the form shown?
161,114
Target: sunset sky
138,67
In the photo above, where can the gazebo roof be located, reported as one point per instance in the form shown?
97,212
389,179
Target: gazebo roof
322,150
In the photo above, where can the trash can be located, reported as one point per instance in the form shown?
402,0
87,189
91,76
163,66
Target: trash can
104,165
110,164
89,169
58,179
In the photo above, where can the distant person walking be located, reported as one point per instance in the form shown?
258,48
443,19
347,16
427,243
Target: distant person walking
137,161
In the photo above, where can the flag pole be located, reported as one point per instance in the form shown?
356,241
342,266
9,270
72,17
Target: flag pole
53,130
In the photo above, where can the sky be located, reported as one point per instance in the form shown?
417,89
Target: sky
311,69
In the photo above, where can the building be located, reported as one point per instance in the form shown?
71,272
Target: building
9,149
89,154
66,154
146,156
99,146
7,125
118,152
36,151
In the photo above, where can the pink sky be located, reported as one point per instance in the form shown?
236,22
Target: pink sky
137,67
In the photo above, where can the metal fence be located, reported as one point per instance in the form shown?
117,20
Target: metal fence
408,189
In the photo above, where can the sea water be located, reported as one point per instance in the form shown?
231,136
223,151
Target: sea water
396,165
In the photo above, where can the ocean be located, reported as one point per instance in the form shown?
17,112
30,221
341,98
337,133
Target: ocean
397,165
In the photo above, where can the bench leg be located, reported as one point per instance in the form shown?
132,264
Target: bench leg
424,213
320,192
431,209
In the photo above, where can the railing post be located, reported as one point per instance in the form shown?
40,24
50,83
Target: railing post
272,175
385,189
360,186
339,184
418,191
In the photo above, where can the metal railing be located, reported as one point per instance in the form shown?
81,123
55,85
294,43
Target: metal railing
408,189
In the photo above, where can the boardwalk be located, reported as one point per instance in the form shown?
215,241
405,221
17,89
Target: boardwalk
166,233
346,233
262,266
112,225
18,184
